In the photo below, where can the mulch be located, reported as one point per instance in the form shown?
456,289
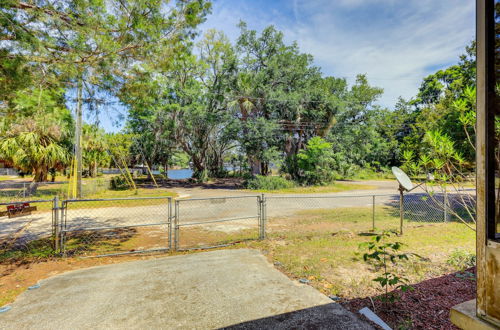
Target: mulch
427,306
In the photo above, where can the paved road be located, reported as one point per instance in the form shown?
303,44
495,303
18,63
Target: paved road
191,210
229,288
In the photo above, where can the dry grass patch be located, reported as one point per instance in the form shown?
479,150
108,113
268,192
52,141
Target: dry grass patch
322,246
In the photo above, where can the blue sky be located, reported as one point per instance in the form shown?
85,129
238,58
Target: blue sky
395,42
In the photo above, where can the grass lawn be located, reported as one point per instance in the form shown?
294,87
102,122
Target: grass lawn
8,177
335,187
318,245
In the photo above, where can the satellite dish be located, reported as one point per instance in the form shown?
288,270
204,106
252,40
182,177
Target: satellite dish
403,179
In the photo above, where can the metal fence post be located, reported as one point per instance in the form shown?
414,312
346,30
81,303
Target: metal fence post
401,210
259,210
264,216
170,224
176,227
55,224
445,205
62,226
373,213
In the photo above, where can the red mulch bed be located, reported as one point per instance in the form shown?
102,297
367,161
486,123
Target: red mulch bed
427,306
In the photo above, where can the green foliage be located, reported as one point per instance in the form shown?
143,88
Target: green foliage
316,162
180,159
95,149
385,256
268,183
461,259
119,182
53,46
373,174
119,149
36,140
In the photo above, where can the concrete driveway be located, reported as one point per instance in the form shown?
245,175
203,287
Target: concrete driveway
227,288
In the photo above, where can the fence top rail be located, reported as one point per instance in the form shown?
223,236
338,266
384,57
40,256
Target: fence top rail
222,197
114,199
28,201
329,196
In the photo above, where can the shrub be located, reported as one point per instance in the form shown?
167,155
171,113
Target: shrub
269,183
385,255
119,183
316,162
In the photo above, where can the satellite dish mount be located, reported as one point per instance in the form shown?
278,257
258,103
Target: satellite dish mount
405,184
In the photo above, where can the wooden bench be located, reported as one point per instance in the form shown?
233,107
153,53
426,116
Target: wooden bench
18,210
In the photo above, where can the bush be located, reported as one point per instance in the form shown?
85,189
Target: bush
370,173
119,183
316,163
269,183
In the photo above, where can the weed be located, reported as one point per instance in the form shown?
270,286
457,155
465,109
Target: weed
461,259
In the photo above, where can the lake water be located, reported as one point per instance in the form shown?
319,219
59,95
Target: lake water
183,173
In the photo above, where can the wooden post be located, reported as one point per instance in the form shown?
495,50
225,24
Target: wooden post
487,244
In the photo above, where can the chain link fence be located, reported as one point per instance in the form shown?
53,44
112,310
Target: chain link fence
27,228
214,222
306,213
96,227
93,227
27,190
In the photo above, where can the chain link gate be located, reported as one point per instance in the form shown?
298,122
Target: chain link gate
113,226
27,221
218,221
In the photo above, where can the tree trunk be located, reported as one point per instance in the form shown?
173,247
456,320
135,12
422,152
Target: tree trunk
199,168
149,169
255,165
93,170
165,169
41,174
264,168
32,188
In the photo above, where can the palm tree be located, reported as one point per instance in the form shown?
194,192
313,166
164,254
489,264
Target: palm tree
95,149
35,145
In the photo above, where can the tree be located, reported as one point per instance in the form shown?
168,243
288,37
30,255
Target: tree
95,149
356,134
442,100
36,137
281,97
120,149
94,46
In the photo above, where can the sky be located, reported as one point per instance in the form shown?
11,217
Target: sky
396,43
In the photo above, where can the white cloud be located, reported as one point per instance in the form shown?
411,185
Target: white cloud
396,43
